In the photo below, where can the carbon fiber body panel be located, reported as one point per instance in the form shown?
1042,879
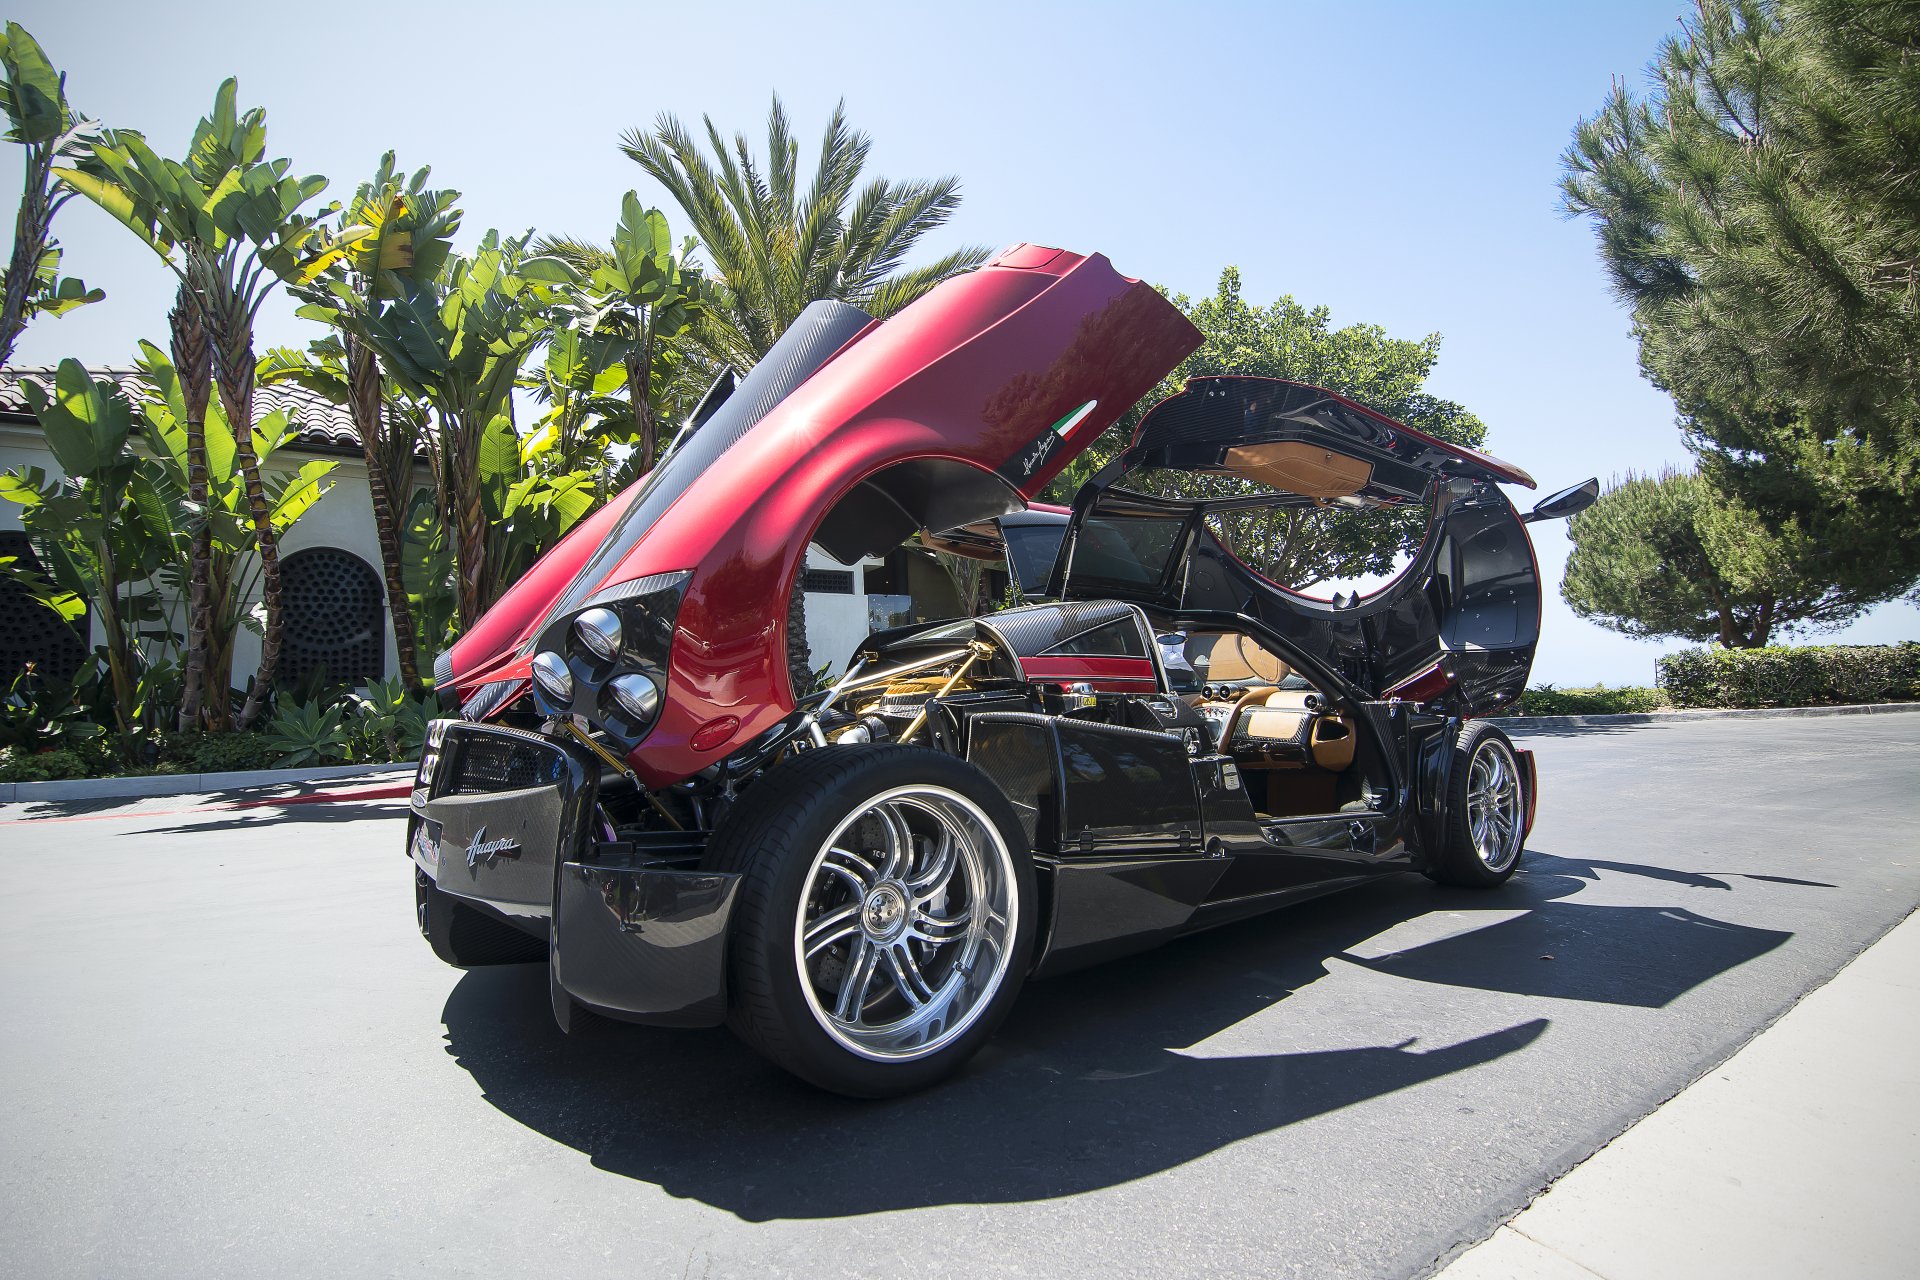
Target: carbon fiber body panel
503,808
646,943
1036,629
808,343
506,819
489,698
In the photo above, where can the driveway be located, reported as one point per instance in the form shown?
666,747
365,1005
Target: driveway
226,1051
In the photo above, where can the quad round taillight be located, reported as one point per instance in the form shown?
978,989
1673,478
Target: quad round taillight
638,696
599,631
551,674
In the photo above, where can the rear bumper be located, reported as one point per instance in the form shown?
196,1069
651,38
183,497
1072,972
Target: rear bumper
507,820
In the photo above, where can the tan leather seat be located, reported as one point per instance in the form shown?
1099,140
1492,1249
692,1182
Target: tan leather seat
1231,657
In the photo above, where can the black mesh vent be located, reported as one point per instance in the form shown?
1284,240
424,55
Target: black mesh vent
833,582
490,764
31,632
335,616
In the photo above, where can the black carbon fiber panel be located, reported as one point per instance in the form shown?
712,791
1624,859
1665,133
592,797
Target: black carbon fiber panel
505,807
1032,630
1016,751
640,587
488,698
1125,788
443,669
646,942
1219,410
822,329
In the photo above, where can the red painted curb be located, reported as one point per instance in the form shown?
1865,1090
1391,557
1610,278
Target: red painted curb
327,797
372,793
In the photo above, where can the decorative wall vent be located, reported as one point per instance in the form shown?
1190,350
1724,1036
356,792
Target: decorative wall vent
31,632
832,582
335,617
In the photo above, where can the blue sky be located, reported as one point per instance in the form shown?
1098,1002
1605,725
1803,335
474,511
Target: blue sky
1395,162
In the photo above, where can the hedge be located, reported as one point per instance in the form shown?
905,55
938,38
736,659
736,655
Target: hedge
1545,700
1799,676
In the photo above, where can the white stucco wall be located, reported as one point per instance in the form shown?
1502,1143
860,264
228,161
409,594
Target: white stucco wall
836,624
343,518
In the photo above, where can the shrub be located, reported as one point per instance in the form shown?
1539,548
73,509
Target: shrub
388,724
1799,676
43,766
1545,700
312,733
231,752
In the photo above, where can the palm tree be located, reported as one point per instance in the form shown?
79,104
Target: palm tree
393,228
775,249
33,98
227,222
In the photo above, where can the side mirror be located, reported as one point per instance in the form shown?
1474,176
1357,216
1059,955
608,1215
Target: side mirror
1567,502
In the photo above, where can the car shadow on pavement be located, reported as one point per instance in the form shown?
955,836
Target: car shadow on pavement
1087,1084
1520,733
260,816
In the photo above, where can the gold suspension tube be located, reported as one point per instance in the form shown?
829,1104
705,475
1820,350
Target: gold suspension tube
620,766
977,650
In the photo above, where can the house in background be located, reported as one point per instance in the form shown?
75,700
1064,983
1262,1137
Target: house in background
332,592
333,595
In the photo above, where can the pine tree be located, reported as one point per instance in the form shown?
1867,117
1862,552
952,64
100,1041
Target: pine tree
1670,555
1759,212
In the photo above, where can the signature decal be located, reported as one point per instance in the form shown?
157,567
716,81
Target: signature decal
1041,449
1034,458
480,849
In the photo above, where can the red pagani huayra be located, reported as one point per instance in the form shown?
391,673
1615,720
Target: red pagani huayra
860,879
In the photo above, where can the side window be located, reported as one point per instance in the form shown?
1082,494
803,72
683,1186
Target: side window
1124,550
1325,551
1031,551
1117,639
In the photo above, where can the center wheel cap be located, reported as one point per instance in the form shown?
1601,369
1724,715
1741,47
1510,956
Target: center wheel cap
884,913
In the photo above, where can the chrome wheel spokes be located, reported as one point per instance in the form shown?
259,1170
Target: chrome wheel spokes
1493,804
905,930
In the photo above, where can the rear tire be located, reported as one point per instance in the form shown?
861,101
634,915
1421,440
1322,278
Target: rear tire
1485,813
885,917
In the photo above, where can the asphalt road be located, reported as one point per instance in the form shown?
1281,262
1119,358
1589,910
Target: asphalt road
225,1051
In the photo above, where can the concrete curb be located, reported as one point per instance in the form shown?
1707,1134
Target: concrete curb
1662,717
183,784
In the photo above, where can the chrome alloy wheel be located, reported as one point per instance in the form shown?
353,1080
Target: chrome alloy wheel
1493,804
906,929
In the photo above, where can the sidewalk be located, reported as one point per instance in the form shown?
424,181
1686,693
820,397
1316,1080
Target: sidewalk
1799,1156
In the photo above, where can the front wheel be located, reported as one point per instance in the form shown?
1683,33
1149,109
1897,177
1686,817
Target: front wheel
885,916
1486,811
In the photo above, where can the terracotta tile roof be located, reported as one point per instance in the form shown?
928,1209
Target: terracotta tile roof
320,425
